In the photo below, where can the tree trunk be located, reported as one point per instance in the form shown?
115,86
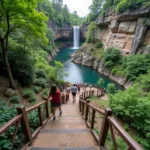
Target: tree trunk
5,57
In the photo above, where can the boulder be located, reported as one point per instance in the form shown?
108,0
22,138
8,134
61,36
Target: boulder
139,34
10,92
118,79
114,26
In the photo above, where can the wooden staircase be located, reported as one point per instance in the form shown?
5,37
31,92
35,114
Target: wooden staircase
68,132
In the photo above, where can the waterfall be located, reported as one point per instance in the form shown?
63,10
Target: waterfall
76,37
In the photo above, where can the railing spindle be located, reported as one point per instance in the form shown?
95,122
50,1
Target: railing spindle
25,124
40,116
83,109
93,119
113,137
87,110
47,108
105,127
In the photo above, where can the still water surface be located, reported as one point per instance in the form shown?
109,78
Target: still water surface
78,73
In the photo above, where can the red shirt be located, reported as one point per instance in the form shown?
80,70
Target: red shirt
56,97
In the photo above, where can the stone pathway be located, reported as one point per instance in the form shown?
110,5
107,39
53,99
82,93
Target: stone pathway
68,132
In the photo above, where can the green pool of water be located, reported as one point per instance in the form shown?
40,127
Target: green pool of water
78,73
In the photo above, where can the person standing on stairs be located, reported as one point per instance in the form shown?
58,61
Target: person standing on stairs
74,92
54,96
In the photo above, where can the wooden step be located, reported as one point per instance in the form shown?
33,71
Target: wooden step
77,148
64,138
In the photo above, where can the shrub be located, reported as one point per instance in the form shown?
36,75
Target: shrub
37,89
45,93
8,113
101,82
111,57
40,82
111,88
27,93
134,108
40,73
34,120
99,44
15,99
32,98
135,65
22,66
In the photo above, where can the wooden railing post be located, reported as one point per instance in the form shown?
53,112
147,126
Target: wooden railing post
25,124
93,119
40,116
83,109
80,105
105,127
84,95
47,108
87,110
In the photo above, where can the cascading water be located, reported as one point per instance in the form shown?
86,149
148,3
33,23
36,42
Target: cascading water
76,37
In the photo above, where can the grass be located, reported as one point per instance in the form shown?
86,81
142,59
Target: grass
101,103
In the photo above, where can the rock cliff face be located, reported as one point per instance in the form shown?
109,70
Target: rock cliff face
85,57
63,33
129,31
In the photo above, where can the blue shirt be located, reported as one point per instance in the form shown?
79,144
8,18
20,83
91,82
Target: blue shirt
74,89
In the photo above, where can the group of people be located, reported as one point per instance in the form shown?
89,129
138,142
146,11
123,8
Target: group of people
55,96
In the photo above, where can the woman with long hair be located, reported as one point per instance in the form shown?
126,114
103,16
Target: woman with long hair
55,101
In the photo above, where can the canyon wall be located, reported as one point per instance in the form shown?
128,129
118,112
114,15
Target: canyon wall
62,33
128,31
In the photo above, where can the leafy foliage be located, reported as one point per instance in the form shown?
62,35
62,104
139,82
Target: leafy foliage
23,66
99,44
27,93
15,99
90,33
41,82
133,106
111,57
5,139
111,88
36,89
135,65
101,82
45,93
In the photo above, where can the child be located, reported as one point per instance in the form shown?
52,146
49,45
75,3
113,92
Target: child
55,101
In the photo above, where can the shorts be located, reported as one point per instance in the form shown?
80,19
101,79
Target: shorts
74,94
56,104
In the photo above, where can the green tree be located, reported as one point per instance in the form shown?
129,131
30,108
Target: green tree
101,82
23,16
59,71
96,7
66,14
111,88
90,33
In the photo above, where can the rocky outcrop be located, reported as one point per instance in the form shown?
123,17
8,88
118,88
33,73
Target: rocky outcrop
83,31
85,57
64,32
126,30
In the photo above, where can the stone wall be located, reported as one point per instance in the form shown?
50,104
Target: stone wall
64,32
128,31
85,57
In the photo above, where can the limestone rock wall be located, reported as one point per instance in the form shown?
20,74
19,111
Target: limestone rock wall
65,32
128,31
85,57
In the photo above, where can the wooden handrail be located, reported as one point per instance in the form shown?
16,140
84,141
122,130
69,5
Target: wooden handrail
129,140
10,123
102,112
107,122
35,106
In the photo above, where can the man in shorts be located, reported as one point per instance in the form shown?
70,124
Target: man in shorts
74,92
